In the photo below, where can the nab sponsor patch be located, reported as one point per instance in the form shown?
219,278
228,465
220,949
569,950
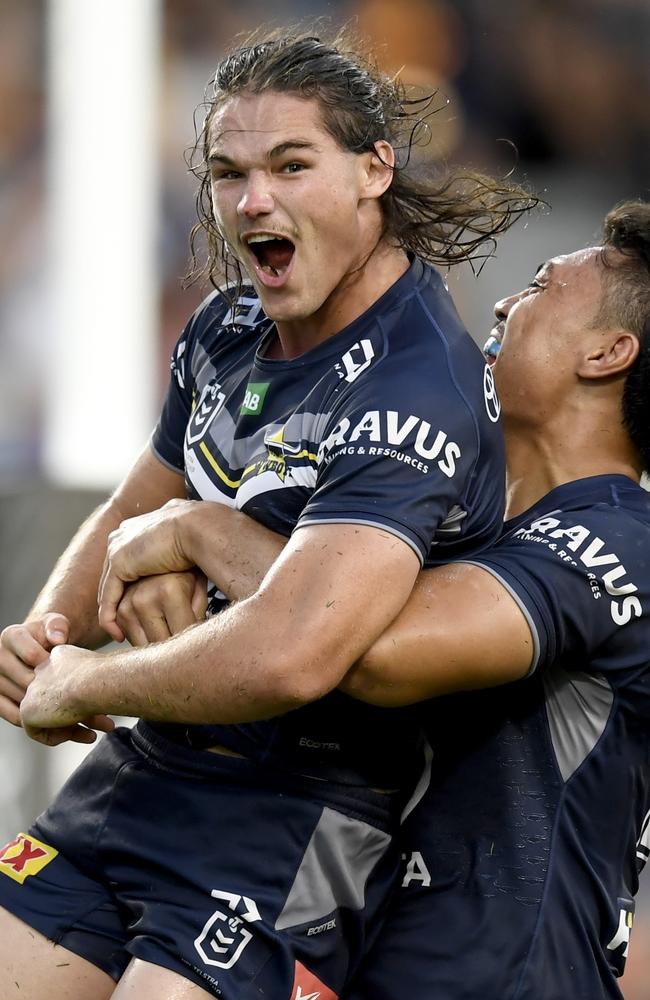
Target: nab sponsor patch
25,856
307,986
254,398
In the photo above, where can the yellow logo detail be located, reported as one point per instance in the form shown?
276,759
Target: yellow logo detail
25,856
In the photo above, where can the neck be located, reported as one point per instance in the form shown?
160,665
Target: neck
539,459
358,291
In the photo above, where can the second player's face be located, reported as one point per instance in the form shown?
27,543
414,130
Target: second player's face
543,332
288,200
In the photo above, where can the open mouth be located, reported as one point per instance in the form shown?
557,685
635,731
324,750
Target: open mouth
272,256
492,345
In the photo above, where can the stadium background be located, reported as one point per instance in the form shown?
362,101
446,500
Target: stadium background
566,81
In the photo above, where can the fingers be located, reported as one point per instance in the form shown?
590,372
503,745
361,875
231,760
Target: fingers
101,723
56,628
55,737
19,642
9,711
155,608
110,594
200,596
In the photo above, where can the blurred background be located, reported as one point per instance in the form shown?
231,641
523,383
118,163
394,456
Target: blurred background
96,202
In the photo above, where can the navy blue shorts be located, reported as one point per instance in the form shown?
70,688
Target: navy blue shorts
246,881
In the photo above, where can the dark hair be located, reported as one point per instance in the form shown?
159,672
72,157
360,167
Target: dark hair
443,220
626,301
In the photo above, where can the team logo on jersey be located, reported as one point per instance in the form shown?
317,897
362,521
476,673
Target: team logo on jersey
307,986
209,404
355,361
225,934
492,404
254,398
25,856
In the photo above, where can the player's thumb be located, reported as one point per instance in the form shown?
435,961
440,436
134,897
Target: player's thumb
57,628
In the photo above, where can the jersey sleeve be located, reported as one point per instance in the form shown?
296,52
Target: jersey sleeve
168,436
395,455
577,581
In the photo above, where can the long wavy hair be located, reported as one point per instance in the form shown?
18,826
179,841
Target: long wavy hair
443,218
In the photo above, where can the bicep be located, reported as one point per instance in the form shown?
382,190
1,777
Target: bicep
461,629
330,594
147,486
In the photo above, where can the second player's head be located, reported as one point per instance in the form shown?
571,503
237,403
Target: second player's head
578,337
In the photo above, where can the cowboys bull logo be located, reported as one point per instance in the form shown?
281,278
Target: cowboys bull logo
225,934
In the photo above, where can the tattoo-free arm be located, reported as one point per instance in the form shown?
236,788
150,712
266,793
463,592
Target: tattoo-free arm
460,630
318,609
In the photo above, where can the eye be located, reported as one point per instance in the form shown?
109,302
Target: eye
293,168
225,175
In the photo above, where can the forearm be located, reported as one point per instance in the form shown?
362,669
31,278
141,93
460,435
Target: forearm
225,670
71,588
231,549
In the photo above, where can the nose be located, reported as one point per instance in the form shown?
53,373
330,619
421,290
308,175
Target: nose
257,198
503,306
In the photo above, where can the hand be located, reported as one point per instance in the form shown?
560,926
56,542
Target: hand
45,714
158,607
148,545
22,648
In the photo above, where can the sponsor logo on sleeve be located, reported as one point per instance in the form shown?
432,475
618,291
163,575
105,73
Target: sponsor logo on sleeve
307,986
355,361
579,547
492,403
386,433
225,933
25,856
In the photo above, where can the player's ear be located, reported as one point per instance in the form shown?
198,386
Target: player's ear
614,355
379,166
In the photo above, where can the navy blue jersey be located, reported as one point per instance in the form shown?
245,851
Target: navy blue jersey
393,422
523,857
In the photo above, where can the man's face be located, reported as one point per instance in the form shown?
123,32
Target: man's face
288,200
544,330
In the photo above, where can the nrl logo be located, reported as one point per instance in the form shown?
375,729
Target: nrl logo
225,934
210,403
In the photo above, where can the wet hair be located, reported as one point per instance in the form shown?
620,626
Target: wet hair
626,302
445,219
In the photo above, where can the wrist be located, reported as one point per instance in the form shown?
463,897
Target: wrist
201,519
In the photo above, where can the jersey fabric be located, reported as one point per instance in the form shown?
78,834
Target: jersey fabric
159,852
393,423
522,859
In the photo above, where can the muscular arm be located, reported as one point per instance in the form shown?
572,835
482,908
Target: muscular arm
72,587
459,630
318,609
66,609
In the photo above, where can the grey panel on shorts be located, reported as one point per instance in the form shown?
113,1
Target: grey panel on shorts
334,870
577,706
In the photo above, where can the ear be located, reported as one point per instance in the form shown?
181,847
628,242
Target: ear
379,166
615,355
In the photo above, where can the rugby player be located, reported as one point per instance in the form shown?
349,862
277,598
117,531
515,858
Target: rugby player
522,859
334,396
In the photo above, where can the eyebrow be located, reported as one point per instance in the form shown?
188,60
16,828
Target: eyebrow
283,147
